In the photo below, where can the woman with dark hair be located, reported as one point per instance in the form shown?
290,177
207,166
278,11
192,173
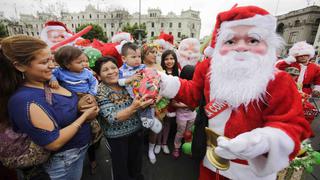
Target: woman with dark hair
120,121
48,116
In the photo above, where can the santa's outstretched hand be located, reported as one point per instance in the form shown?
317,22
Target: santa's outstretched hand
245,146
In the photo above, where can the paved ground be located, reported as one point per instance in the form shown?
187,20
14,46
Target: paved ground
166,168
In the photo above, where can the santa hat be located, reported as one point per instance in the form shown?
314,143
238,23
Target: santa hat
120,36
167,37
53,25
247,15
302,48
164,40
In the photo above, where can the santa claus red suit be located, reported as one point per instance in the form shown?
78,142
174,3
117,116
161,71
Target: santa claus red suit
309,77
261,114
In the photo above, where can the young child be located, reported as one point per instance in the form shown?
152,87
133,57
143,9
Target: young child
184,115
131,72
169,63
72,73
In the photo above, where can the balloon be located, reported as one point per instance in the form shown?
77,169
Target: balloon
186,148
92,54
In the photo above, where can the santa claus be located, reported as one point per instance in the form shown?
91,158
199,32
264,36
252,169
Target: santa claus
189,52
255,108
121,36
299,58
54,32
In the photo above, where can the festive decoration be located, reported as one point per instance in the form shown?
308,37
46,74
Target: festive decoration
149,85
306,160
92,54
72,38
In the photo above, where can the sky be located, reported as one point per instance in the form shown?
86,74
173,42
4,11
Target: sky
208,8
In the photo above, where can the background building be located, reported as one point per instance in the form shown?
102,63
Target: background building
299,25
187,24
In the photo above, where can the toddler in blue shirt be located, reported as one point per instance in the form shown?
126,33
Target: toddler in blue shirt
128,73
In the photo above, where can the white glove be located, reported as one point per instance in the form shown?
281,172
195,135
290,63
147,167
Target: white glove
290,59
169,85
245,146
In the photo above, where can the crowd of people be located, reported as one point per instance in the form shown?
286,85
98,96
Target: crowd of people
53,97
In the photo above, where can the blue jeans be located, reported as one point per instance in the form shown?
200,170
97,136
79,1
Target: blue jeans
66,165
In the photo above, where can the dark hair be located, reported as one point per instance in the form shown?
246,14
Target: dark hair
102,60
127,46
187,72
175,69
146,49
66,54
19,49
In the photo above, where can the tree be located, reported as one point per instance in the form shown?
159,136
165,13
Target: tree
135,30
3,31
95,33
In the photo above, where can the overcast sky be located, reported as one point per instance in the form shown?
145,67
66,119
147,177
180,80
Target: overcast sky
208,8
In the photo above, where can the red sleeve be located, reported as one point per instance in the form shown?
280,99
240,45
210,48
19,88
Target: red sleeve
282,65
190,92
284,110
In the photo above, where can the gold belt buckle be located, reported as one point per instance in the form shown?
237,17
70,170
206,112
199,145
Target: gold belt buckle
217,161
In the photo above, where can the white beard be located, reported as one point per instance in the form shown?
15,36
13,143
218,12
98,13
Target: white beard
241,82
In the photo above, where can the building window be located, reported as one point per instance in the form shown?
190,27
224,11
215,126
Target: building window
98,16
297,23
71,17
72,25
112,25
32,33
152,24
170,33
193,26
28,33
38,33
111,33
179,34
293,37
179,25
90,16
170,25
105,25
111,15
192,34
120,24
162,24
78,17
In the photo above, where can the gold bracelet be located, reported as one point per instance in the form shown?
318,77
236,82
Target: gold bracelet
77,125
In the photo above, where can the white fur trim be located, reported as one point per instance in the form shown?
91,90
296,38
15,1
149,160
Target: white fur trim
266,22
316,88
302,48
218,123
208,51
44,31
290,59
280,147
119,46
303,69
169,85
120,37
